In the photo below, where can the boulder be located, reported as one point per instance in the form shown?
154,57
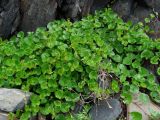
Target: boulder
86,7
144,109
155,4
70,9
106,110
99,4
139,14
142,12
4,116
13,99
124,8
41,117
155,26
78,107
36,13
74,9
9,17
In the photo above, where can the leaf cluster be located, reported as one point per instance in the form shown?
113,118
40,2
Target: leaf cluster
60,62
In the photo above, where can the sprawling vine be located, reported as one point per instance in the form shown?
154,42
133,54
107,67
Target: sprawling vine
61,62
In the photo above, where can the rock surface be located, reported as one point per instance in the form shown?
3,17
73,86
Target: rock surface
27,15
37,13
75,9
3,116
155,4
12,99
124,8
41,117
99,4
106,110
144,109
141,13
9,17
155,26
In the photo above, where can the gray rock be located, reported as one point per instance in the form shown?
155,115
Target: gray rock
124,8
70,8
75,9
34,118
150,3
86,7
99,4
13,99
155,26
142,12
37,13
103,111
41,117
9,17
138,106
4,116
139,14
155,4
78,107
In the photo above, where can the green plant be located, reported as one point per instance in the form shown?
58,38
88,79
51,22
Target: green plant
136,116
62,61
83,115
154,115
